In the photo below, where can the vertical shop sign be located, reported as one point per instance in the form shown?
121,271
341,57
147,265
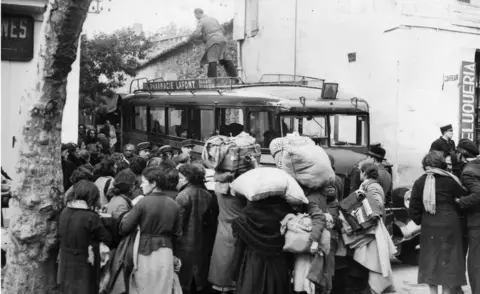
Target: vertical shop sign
468,102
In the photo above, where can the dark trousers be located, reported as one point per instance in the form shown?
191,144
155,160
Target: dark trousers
473,261
227,64
352,279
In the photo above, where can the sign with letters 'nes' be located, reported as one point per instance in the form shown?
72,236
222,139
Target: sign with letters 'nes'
468,103
17,37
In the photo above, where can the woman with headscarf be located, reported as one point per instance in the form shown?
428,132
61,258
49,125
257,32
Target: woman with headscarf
120,201
370,184
105,172
159,235
197,218
432,205
81,229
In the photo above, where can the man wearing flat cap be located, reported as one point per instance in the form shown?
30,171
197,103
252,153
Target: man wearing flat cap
445,142
144,150
165,152
470,178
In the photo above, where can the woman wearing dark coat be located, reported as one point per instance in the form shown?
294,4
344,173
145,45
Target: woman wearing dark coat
197,219
158,218
432,205
261,265
80,228
221,269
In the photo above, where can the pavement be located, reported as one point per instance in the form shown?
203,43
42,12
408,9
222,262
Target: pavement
405,280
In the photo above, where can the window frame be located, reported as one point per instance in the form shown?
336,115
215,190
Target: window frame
134,128
219,119
361,133
150,127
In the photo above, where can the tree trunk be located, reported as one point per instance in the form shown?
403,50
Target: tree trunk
37,187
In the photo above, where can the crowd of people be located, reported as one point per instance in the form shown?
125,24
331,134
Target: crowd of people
445,202
191,235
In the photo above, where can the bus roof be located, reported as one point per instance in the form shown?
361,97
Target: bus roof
289,96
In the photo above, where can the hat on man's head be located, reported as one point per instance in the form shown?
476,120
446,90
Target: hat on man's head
376,151
187,143
446,128
144,146
467,148
165,148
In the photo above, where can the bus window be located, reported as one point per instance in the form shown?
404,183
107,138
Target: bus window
207,124
348,130
177,118
140,118
157,120
260,128
128,117
230,121
313,126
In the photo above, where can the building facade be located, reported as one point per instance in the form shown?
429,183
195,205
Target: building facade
21,25
415,62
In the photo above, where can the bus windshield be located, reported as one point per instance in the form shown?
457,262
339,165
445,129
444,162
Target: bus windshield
314,126
342,130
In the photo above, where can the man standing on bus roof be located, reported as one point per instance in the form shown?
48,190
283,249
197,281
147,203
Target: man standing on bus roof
211,32
445,142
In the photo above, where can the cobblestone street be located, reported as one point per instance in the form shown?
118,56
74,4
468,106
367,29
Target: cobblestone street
405,279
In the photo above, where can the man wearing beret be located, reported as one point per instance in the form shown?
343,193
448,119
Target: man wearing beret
445,142
470,177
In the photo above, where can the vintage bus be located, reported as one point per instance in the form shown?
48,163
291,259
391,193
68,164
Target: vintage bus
168,112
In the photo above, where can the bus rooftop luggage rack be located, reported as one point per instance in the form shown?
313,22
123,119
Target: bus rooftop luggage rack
291,80
191,85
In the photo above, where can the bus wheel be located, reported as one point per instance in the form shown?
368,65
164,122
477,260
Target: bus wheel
408,252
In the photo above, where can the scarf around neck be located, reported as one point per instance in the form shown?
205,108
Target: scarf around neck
429,198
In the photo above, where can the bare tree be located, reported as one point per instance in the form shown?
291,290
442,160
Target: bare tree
37,188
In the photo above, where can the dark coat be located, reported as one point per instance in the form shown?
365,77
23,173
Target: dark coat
68,167
160,223
471,203
323,266
447,147
221,269
197,218
442,260
79,229
470,178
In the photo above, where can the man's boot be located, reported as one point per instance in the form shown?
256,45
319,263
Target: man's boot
230,68
212,70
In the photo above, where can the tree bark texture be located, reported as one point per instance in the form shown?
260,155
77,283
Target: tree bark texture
37,188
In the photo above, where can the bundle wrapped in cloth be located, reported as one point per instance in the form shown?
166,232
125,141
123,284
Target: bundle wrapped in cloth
264,182
292,141
229,154
307,163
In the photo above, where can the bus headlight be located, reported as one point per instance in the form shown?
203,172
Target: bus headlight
406,198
